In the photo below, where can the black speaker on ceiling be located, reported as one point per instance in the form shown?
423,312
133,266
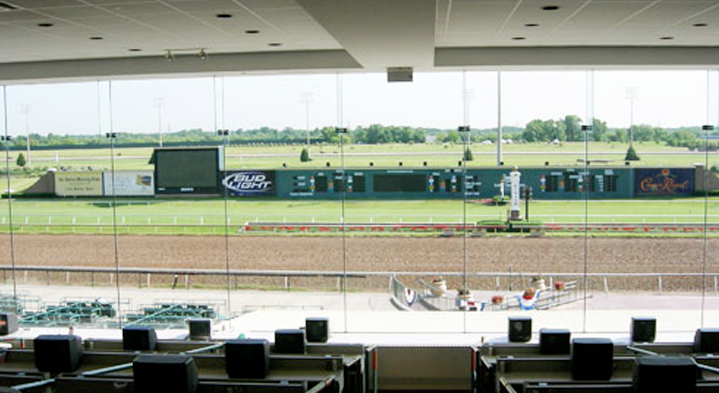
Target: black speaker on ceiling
706,340
554,341
290,341
317,329
164,373
654,374
57,353
520,329
592,359
8,323
247,358
139,338
643,329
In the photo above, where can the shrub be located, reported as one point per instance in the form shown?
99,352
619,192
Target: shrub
304,155
468,155
631,154
20,160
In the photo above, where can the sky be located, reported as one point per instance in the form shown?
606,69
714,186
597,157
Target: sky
661,98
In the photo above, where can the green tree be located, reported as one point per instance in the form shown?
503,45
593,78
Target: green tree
304,155
20,160
453,137
599,130
468,156
533,131
544,131
573,127
329,135
620,135
631,154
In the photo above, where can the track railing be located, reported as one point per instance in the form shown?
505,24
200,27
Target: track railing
501,280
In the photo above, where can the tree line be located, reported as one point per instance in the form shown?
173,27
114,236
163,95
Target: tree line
570,129
567,129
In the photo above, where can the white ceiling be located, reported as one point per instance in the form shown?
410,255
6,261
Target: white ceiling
369,34
154,26
462,23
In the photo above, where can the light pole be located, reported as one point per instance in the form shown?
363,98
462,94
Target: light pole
632,93
159,104
26,111
499,119
306,100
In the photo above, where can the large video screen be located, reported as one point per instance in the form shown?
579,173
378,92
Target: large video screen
400,183
190,168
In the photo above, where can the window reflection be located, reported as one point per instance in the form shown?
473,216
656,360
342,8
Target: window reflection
324,220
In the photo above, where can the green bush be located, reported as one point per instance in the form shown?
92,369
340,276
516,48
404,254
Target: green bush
304,155
631,154
20,160
468,156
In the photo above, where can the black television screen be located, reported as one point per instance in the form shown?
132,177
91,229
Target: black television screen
186,168
400,183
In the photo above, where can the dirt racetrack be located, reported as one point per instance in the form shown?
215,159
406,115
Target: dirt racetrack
413,254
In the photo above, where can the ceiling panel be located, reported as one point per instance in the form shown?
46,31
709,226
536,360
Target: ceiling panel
77,13
264,4
155,25
601,16
41,4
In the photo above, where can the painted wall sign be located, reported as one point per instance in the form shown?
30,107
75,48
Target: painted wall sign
664,181
249,183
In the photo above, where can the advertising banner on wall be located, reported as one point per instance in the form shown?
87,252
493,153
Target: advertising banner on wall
78,184
129,183
249,183
653,181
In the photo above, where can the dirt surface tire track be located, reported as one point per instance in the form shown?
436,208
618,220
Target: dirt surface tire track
412,254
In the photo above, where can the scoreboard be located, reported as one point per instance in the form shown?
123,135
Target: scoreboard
187,170
200,171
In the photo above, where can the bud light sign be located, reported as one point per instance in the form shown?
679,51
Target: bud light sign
254,183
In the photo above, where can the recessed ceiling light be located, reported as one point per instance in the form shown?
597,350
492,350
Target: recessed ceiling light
135,50
45,24
519,38
96,38
274,44
550,7
667,38
700,25
224,16
252,32
531,24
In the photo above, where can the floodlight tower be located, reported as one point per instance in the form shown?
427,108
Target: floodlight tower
25,110
159,104
306,100
631,94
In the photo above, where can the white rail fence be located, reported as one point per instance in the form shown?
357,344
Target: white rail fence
514,280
